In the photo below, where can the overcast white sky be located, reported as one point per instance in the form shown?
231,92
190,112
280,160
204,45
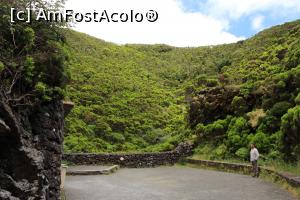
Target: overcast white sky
187,22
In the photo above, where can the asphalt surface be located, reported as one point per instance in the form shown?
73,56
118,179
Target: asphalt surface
171,183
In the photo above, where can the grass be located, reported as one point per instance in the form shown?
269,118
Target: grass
284,167
279,166
63,196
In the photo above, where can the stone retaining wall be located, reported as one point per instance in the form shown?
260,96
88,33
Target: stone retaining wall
291,179
132,160
30,151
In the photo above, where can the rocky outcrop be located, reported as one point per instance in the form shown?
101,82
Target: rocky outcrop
211,104
135,160
216,103
30,151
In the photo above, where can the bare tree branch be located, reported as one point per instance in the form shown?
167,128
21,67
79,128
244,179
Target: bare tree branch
13,36
16,77
21,97
22,105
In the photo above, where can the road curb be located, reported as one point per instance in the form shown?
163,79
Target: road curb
293,180
107,171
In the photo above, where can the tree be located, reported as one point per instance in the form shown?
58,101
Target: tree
290,127
32,79
30,54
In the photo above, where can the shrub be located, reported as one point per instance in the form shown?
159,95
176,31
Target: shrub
293,58
154,136
28,38
217,128
220,152
102,128
281,84
274,155
297,99
203,80
276,141
116,138
242,153
28,70
262,142
280,108
239,105
290,127
269,124
238,132
204,151
222,63
40,88
255,116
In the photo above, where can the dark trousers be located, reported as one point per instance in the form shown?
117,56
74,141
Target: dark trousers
255,168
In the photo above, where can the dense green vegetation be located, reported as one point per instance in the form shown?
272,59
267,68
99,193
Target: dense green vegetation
134,97
32,58
265,75
124,99
151,97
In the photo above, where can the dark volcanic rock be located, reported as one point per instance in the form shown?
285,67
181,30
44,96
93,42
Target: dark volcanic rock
211,104
3,127
135,160
30,155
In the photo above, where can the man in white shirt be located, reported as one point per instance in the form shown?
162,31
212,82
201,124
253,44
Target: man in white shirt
254,155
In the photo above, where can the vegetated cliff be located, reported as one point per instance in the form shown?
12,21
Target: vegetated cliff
146,97
32,78
257,101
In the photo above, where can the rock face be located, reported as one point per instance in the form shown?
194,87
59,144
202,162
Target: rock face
211,104
30,152
136,160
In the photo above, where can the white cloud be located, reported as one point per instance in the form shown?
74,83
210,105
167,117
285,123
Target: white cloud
234,9
257,23
174,26
177,27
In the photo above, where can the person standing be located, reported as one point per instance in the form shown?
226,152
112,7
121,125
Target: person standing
254,155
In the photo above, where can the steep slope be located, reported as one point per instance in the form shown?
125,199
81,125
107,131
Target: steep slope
146,97
258,101
122,104
133,97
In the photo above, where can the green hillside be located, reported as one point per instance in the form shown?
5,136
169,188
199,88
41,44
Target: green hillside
125,100
259,102
151,97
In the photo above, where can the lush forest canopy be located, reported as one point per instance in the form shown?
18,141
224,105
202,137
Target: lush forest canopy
222,98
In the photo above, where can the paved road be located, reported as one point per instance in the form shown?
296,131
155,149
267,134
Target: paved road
171,183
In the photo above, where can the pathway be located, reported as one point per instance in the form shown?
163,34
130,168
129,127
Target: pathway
171,183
